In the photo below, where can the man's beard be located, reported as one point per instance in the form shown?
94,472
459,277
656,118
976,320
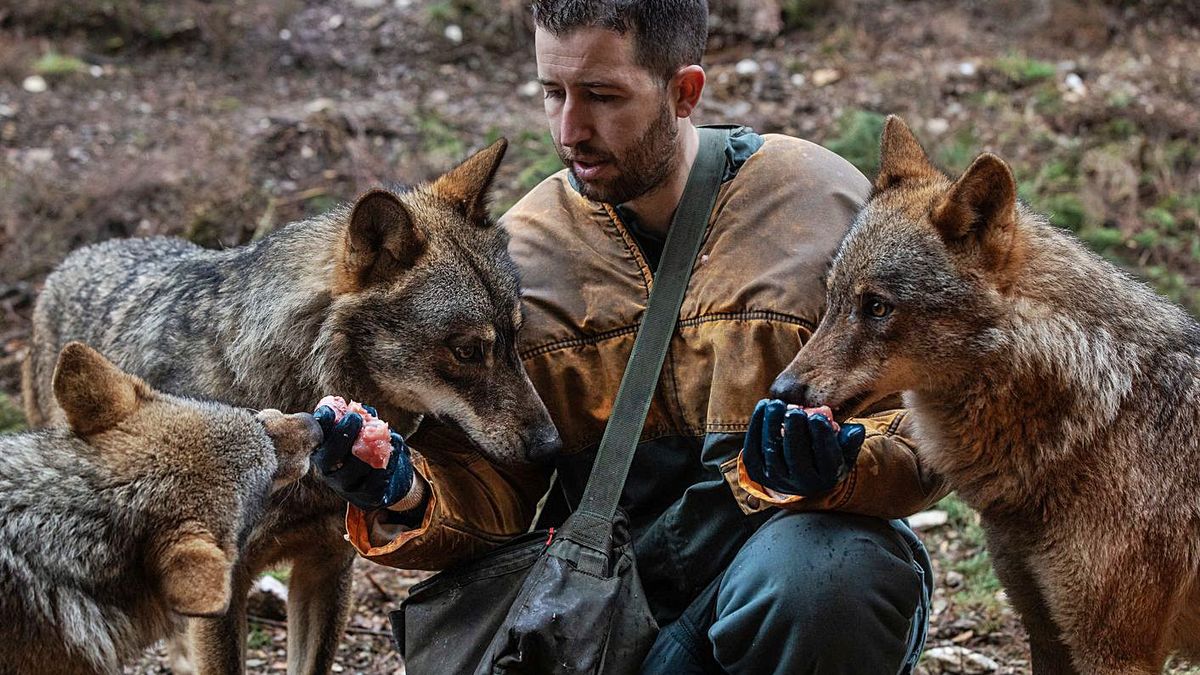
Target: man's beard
643,169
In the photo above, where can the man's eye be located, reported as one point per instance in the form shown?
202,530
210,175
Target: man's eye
468,353
876,307
600,98
553,93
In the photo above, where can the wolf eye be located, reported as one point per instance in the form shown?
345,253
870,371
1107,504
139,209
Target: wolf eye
468,353
875,307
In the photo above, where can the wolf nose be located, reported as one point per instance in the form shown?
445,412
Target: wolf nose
789,389
315,434
544,447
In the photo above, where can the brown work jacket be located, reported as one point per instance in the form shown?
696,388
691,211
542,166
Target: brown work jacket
755,296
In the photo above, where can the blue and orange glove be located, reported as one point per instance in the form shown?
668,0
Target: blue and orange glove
795,453
351,478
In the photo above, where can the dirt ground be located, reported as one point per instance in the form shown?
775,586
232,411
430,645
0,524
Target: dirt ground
221,121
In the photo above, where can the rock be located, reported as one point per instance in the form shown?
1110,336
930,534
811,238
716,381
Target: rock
1076,90
937,125
530,89
958,660
319,105
954,579
967,69
798,79
826,76
36,156
34,84
746,67
928,519
268,599
454,33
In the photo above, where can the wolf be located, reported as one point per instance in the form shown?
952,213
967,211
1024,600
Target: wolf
130,516
1059,396
407,300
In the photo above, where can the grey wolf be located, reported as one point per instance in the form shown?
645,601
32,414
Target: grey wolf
130,516
1059,396
407,301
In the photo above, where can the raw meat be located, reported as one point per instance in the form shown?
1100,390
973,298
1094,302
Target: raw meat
374,442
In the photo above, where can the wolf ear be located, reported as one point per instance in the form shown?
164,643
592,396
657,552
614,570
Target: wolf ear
94,394
194,574
381,241
901,157
467,184
979,211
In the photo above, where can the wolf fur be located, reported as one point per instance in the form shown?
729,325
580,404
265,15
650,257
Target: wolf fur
115,526
406,301
1060,397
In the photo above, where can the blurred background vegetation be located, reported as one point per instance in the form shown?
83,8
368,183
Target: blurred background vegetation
219,121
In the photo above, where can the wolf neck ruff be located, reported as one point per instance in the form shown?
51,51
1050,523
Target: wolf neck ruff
574,601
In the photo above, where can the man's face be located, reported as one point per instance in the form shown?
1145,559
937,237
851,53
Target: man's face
611,119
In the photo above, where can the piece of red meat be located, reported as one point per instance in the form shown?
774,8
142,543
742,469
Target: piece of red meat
374,442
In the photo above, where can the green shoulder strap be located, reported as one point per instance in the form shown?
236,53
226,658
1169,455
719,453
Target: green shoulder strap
593,520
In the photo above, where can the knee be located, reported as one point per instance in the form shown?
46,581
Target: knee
818,581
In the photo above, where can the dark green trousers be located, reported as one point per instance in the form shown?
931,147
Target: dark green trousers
808,593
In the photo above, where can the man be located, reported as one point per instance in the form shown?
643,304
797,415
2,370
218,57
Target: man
827,584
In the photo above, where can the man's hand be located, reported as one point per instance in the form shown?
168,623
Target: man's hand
350,477
794,453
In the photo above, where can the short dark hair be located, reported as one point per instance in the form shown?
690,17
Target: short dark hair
668,34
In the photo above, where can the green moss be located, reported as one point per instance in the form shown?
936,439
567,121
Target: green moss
439,138
955,155
258,638
858,139
1022,70
1065,211
1102,239
281,575
53,64
1159,217
804,14
980,584
11,418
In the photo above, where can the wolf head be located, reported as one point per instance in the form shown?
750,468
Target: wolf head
198,472
917,283
426,311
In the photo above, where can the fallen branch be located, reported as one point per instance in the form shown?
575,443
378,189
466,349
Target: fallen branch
349,629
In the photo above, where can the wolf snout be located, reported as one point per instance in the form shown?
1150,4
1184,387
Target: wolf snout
790,389
315,434
544,446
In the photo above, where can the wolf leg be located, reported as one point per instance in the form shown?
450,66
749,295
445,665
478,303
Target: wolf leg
1121,630
218,645
319,596
1050,653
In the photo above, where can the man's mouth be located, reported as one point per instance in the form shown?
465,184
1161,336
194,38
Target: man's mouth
587,170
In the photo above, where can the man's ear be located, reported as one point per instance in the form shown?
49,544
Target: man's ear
94,394
381,242
194,573
467,184
901,157
686,86
978,214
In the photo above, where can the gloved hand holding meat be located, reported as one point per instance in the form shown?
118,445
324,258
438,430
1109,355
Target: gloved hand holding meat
362,460
799,451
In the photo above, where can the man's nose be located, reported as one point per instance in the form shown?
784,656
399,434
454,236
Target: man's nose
574,124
